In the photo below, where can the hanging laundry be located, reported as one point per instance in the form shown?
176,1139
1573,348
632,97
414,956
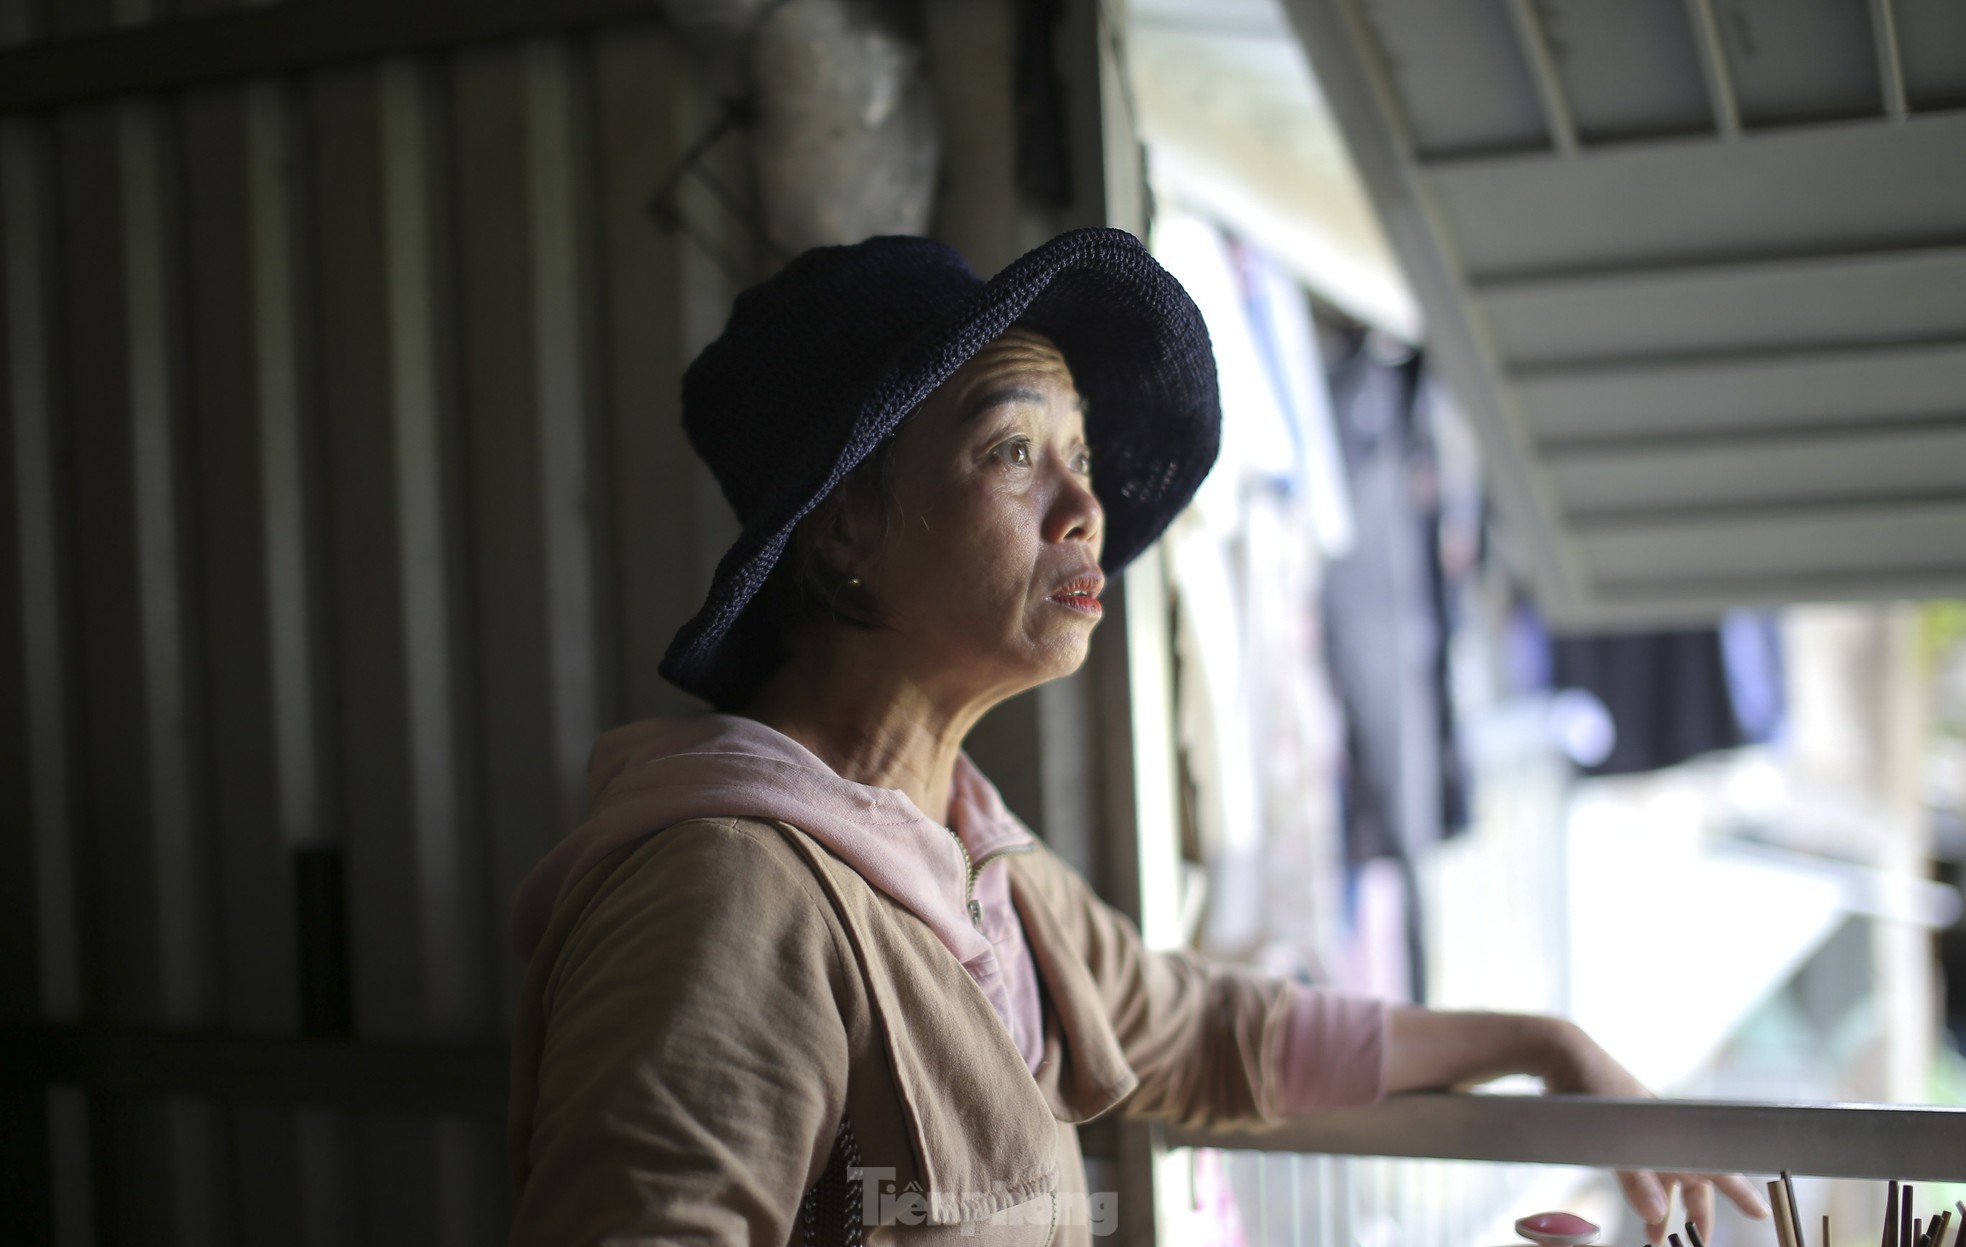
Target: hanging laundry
1667,693
1386,622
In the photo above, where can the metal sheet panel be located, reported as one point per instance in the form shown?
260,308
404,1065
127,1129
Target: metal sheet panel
333,404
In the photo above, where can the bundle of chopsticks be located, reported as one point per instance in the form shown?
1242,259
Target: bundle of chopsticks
1901,1227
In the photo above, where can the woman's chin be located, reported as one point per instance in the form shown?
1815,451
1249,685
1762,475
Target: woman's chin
1063,653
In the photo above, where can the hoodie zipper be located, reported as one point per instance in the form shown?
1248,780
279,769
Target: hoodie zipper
971,869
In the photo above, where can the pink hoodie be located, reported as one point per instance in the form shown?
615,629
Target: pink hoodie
655,773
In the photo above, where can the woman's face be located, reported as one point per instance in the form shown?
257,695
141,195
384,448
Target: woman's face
987,576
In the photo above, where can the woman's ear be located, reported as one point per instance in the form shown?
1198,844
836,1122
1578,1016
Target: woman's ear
846,529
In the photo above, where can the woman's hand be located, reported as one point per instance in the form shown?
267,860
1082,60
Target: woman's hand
1578,1066
1429,1050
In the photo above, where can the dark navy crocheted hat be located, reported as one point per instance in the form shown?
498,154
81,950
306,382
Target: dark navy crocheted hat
820,363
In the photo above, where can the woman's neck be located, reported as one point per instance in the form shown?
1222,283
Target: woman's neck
872,728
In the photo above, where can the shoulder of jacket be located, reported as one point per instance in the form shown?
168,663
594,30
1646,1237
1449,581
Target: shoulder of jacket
738,875
703,866
754,850
1046,871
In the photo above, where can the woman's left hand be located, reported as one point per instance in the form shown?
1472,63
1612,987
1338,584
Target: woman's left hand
1581,1067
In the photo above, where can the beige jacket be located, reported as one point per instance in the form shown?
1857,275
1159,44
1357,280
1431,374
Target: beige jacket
706,1005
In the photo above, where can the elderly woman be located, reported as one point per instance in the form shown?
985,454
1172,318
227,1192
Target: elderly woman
801,977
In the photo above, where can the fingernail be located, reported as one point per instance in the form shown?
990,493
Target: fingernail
1653,1209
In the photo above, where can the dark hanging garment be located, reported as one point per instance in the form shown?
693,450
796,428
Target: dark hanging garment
1667,693
1386,617
1385,624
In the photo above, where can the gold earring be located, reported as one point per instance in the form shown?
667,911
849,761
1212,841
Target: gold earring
853,582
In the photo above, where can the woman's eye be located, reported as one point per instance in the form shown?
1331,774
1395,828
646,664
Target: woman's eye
1082,463
1016,451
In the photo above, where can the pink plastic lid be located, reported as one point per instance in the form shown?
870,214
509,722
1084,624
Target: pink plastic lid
1556,1229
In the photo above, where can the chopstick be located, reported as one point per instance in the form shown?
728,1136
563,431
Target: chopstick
1795,1216
1778,1203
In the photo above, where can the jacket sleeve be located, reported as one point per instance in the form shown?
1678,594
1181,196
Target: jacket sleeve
1215,1044
692,1071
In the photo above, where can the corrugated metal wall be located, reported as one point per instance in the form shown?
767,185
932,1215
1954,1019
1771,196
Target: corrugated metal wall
346,501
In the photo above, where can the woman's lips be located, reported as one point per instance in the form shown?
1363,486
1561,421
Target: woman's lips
1081,595
1084,603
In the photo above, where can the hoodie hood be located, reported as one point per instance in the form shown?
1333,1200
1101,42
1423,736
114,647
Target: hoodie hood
650,775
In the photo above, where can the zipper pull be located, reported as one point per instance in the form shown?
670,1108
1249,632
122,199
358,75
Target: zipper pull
976,913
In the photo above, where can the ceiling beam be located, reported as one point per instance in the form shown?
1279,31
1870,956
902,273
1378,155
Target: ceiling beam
1713,67
1890,68
1534,42
276,39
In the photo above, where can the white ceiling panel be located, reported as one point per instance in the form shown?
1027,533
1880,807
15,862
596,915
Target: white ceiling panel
1931,37
1764,544
1793,191
1789,470
1769,394
1627,70
1865,299
1709,320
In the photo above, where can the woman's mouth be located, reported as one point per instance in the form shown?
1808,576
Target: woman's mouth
1080,595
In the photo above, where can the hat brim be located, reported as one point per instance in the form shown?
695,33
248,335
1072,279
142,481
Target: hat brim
1140,356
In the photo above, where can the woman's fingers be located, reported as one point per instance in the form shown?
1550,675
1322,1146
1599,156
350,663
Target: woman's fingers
1698,1193
1741,1193
1650,1198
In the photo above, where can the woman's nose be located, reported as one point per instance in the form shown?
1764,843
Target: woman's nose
1075,514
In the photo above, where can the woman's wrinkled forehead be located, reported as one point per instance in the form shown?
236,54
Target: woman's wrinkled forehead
1019,347
1019,355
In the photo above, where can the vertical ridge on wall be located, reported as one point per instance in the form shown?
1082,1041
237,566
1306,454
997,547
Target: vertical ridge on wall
235,529
561,320
651,490
285,489
397,793
521,315
258,989
178,859
50,972
452,1003
663,298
